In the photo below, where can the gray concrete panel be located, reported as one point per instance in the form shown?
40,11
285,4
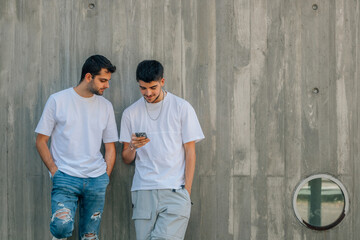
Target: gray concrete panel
251,70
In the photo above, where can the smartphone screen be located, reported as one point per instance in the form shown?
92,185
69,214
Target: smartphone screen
141,134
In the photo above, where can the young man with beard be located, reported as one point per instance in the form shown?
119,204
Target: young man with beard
164,158
78,120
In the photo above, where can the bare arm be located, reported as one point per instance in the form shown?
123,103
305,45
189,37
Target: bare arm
110,157
44,152
129,149
190,159
128,154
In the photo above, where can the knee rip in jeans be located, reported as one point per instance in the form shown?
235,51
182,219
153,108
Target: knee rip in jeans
96,216
90,236
63,214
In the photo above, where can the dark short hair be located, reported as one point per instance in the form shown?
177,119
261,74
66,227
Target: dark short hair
94,64
149,70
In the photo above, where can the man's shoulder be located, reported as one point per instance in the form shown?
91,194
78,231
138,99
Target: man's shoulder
61,94
181,102
134,106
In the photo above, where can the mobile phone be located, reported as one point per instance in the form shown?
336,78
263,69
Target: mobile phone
141,134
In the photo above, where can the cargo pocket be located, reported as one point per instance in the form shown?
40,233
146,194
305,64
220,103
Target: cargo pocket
140,211
185,212
179,219
141,214
144,224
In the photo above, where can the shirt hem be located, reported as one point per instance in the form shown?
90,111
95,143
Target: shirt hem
155,188
196,139
110,140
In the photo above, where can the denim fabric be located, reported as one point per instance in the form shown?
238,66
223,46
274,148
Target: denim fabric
67,193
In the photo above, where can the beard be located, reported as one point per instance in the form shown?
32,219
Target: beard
155,98
95,90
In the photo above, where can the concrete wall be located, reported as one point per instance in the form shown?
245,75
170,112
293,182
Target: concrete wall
247,66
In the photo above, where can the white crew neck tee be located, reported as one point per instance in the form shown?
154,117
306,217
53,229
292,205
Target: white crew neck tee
77,126
160,164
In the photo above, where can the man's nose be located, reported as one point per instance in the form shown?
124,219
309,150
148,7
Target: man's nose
107,84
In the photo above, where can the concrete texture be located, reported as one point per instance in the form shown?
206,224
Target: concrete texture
249,69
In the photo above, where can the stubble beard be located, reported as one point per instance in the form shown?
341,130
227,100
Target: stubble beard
155,98
94,90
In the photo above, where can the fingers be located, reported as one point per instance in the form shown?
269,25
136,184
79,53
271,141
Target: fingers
139,142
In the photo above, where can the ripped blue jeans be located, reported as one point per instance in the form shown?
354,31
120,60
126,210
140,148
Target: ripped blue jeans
67,193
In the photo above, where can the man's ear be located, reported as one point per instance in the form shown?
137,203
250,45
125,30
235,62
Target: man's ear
88,77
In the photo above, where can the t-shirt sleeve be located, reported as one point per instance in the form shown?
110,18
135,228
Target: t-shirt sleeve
110,133
125,128
190,126
47,121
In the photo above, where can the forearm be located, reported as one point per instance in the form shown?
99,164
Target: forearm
190,160
110,157
129,149
189,172
44,152
128,154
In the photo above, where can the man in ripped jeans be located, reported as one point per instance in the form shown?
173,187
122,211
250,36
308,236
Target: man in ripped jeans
78,120
159,132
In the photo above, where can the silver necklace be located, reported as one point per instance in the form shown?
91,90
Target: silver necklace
162,103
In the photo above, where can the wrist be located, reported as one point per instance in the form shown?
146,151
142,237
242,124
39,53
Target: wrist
132,147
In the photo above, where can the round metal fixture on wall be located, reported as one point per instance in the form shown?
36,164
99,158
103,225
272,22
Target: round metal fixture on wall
320,202
315,90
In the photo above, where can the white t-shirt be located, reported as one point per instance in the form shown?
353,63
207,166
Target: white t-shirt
77,125
160,164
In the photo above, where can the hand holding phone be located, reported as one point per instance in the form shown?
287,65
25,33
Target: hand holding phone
138,143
